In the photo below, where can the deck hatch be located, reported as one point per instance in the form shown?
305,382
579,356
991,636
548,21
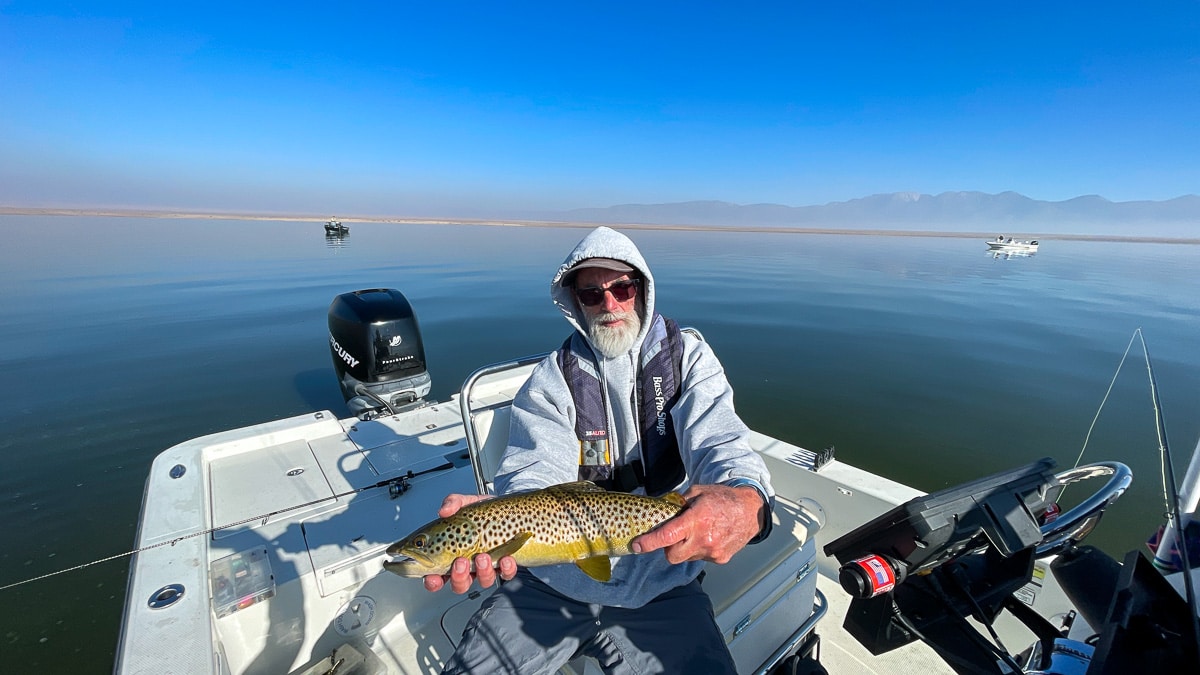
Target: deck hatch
252,484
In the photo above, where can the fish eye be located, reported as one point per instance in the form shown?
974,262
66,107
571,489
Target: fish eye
420,541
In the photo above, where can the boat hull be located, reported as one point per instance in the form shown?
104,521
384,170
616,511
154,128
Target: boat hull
1012,247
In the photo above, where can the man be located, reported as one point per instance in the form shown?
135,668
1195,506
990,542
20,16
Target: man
632,404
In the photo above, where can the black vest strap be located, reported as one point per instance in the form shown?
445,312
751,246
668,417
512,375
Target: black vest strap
657,392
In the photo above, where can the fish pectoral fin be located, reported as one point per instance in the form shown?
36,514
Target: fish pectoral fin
511,546
675,498
597,567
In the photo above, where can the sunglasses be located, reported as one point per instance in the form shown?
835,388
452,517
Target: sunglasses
621,291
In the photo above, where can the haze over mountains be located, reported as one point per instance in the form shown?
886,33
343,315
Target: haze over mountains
965,213
1007,212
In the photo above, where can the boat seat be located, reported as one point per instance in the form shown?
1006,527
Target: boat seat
492,444
486,402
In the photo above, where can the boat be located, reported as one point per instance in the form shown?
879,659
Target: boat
1002,244
260,549
336,227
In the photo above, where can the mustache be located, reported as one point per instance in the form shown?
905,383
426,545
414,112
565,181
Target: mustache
612,316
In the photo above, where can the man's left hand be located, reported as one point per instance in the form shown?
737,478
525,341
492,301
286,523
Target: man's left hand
718,522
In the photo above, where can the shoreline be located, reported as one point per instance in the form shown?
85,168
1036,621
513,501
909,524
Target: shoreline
501,222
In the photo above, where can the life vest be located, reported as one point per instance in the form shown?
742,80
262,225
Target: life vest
659,373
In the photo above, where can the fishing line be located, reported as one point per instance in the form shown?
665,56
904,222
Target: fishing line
398,485
1171,499
1086,438
1170,492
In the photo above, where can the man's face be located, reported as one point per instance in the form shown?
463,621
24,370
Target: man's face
612,324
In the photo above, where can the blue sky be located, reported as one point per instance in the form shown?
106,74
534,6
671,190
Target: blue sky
478,109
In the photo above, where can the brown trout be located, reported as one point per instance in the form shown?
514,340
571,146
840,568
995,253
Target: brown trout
574,522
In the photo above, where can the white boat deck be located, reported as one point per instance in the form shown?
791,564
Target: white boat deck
325,544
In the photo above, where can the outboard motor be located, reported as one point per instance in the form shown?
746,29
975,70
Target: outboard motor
377,352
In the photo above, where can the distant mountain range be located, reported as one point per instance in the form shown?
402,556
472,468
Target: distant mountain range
965,213
1008,213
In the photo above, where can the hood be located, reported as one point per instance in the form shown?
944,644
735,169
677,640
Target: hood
602,242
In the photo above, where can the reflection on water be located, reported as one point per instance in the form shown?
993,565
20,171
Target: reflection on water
336,240
1008,255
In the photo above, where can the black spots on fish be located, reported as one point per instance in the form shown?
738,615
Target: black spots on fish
454,535
607,520
504,519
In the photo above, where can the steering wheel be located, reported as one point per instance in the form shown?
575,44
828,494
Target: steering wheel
1076,523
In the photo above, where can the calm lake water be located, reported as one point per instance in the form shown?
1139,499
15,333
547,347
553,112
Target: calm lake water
925,359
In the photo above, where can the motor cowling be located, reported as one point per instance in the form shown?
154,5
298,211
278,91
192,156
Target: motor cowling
378,355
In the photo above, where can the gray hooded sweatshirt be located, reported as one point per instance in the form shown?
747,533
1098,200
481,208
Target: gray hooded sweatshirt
543,449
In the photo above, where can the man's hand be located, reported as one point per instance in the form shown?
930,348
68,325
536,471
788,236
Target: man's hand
719,521
460,576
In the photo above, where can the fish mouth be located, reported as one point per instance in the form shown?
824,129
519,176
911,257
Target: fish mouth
409,563
406,567
411,557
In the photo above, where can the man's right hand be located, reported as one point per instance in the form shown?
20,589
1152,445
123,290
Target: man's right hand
460,576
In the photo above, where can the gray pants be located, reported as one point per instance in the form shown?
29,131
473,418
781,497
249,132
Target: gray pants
527,628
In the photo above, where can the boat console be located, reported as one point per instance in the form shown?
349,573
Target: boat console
940,566
920,569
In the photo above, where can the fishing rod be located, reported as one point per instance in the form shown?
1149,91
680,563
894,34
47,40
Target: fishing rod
1171,495
397,486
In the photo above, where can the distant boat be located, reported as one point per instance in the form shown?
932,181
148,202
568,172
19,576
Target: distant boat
336,227
1002,244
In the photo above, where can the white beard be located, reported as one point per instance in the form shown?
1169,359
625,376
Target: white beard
613,341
